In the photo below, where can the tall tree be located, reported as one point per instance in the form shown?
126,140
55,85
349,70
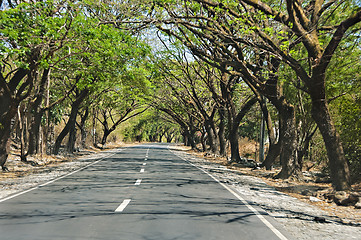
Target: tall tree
306,25
31,34
316,26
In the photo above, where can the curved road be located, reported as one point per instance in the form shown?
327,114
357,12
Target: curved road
144,192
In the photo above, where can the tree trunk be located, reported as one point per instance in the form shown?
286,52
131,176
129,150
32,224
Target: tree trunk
34,132
82,128
340,173
210,138
221,134
233,140
338,165
234,122
151,138
288,140
203,141
170,138
185,138
106,133
273,152
215,136
160,137
94,131
169,135
190,139
304,148
70,147
71,121
22,123
274,148
61,137
8,109
4,149
36,114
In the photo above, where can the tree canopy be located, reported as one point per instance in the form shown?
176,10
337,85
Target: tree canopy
203,72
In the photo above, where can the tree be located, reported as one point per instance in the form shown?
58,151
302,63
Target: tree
31,34
190,78
105,60
172,99
205,38
293,25
116,109
305,25
151,127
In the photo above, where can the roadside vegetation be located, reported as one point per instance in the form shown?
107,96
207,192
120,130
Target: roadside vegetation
283,76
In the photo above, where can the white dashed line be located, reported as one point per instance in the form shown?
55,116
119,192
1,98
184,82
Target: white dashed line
146,155
138,182
123,205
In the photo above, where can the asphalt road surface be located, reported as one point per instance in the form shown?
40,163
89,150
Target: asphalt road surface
143,192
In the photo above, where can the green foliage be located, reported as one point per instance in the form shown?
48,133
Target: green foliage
55,114
149,127
344,86
30,28
349,123
251,125
250,130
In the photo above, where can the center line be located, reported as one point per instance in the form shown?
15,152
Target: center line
138,182
123,205
142,170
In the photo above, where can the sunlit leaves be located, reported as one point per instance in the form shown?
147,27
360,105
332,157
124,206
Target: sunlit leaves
30,26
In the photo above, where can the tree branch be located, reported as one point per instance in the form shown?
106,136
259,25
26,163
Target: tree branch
335,41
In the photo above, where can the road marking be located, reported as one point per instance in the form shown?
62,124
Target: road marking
146,155
123,205
138,182
144,164
262,218
58,178
142,170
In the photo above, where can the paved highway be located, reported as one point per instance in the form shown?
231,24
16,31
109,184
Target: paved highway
144,192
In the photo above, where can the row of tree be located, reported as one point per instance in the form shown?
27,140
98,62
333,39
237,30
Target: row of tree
290,54
212,66
61,66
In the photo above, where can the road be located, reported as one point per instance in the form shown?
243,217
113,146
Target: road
143,192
